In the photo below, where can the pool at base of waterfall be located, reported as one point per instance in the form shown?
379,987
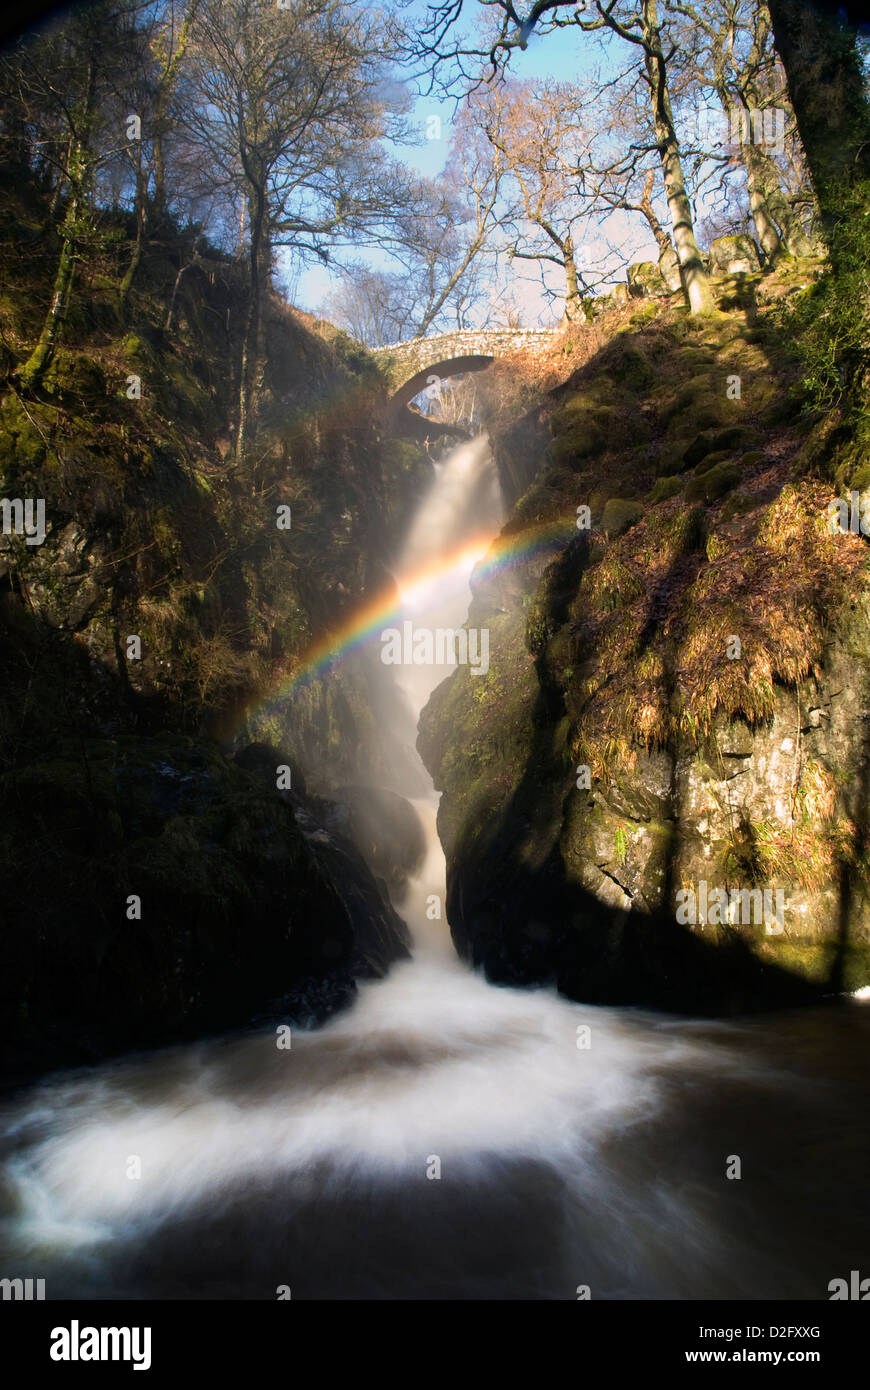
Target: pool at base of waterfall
448,1139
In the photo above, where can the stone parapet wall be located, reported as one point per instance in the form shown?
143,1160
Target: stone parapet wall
402,360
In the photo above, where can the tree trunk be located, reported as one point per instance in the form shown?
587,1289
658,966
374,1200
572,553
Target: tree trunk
826,86
794,239
696,284
60,185
251,331
663,241
165,89
159,167
574,311
40,358
37,364
136,257
669,265
765,228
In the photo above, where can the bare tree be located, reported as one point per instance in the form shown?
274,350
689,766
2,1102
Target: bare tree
443,243
642,27
726,47
288,121
538,130
57,81
443,50
438,239
168,41
373,306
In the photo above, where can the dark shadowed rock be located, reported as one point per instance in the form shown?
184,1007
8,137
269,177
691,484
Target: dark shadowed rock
385,829
167,894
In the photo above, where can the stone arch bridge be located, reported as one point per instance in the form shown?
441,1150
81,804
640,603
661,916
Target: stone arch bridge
408,367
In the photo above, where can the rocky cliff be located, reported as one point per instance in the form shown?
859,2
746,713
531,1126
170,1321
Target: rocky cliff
154,886
657,795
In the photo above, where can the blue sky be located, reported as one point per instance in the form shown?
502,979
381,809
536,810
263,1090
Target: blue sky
568,56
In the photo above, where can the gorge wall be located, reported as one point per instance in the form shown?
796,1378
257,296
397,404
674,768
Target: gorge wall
675,711
159,880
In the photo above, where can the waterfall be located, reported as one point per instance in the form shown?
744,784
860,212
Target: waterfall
459,515
444,1138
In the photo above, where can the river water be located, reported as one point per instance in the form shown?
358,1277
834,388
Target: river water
445,1138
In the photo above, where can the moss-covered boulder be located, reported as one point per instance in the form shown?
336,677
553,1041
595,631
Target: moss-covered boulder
666,487
644,278
669,269
619,515
713,483
731,255
702,403
590,422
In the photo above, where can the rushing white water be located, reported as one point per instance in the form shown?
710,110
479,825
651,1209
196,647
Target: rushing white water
445,1138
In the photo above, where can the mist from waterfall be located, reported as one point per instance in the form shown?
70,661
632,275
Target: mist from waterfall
462,505
444,1138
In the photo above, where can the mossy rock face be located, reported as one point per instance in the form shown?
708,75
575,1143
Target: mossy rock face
602,304
75,373
21,445
700,447
783,406
624,361
644,277
645,312
137,349
669,269
620,514
478,731
859,481
730,255
696,388
699,405
692,361
583,428
713,484
552,879
736,437
583,440
671,457
663,488
735,293
719,443
710,460
622,861
706,413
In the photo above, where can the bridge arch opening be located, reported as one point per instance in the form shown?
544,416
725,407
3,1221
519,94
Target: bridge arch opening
452,366
408,420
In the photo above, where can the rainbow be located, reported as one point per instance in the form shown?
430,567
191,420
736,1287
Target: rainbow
477,553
